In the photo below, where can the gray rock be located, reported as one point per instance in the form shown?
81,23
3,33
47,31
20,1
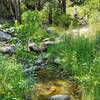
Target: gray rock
60,97
46,39
3,42
1,20
10,30
33,47
49,30
7,49
47,43
4,36
1,26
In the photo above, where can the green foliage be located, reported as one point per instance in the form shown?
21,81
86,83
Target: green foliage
83,47
98,40
79,56
30,27
62,20
92,9
30,2
75,23
22,55
12,82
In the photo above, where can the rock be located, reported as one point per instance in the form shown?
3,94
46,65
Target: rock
82,31
47,39
1,27
76,30
37,65
33,47
43,47
40,62
3,42
4,36
28,71
60,97
10,30
1,20
7,49
50,30
28,96
47,43
85,30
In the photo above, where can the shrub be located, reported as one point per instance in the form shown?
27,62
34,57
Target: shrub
92,9
12,82
63,20
30,27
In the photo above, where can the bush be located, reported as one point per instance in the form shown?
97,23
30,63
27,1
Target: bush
30,27
12,82
63,20
92,9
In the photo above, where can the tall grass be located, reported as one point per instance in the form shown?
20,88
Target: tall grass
80,55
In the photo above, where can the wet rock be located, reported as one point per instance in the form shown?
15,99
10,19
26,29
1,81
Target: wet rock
28,71
28,96
60,97
8,49
4,36
36,66
40,62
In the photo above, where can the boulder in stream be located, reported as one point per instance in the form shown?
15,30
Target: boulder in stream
60,97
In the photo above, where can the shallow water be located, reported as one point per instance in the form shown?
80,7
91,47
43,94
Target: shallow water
44,90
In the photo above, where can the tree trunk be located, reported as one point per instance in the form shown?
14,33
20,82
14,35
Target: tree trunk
60,4
17,10
39,5
10,8
4,9
64,6
50,15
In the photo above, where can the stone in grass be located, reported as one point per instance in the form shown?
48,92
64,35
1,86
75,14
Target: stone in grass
8,49
4,36
60,97
50,30
33,47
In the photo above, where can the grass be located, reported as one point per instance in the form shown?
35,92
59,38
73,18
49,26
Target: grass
80,57
12,82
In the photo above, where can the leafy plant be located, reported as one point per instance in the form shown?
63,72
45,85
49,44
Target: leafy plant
12,82
30,27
